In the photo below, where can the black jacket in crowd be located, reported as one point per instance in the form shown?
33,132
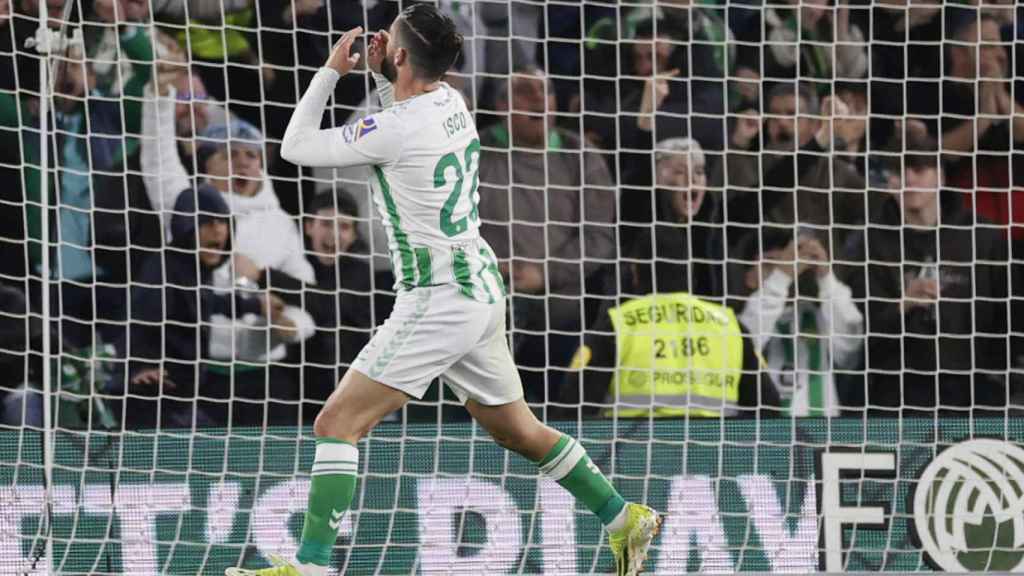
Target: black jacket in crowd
14,339
172,302
341,305
672,256
953,353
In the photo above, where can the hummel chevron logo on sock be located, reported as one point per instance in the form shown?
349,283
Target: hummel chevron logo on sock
336,519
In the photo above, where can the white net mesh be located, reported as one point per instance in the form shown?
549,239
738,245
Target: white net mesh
841,176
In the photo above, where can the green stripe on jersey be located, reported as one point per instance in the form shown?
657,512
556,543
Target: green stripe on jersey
404,250
480,276
492,267
424,266
464,277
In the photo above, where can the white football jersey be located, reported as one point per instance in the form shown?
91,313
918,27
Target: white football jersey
425,154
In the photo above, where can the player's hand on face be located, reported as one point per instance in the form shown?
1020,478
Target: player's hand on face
377,50
342,60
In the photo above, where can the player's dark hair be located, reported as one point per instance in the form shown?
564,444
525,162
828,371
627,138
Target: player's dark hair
430,37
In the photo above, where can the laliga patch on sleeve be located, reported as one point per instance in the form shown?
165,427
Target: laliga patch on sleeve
353,132
366,125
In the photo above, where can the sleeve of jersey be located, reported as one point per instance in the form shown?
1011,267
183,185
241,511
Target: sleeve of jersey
375,139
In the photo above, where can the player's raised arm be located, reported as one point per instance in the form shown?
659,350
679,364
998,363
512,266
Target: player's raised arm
306,144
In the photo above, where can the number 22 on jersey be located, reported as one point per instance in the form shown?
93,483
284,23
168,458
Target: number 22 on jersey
470,163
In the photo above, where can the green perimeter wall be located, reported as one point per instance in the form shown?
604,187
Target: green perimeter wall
740,495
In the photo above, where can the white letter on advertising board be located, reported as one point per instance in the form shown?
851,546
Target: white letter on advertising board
137,506
441,503
692,514
795,551
221,505
557,509
832,509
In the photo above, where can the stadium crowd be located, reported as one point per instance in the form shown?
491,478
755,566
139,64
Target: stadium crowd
843,175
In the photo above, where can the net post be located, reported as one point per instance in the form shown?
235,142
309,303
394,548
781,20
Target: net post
44,233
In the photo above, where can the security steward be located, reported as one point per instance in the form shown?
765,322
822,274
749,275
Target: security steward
668,354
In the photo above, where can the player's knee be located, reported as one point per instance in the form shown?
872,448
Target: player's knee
328,425
518,438
504,439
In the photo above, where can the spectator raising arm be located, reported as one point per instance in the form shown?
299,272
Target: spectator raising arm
162,171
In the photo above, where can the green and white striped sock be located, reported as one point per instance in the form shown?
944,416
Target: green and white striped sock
568,464
330,495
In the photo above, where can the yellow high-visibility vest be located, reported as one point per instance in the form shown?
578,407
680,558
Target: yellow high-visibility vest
677,355
216,42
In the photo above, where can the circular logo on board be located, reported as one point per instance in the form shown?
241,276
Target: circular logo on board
969,507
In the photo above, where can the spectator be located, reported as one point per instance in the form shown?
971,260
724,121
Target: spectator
20,404
667,355
851,106
89,146
799,38
120,53
24,24
193,114
173,301
340,301
195,110
666,107
229,157
802,318
549,214
248,354
935,285
645,54
683,252
906,52
981,136
801,182
498,39
225,52
654,73
13,247
249,350
293,38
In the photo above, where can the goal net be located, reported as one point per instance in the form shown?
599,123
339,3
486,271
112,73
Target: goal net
763,259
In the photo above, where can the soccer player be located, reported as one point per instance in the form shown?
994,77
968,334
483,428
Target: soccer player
449,317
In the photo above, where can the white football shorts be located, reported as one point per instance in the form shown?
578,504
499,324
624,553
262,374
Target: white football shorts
436,331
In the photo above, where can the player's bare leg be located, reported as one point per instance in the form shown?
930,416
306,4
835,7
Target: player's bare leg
631,527
355,407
